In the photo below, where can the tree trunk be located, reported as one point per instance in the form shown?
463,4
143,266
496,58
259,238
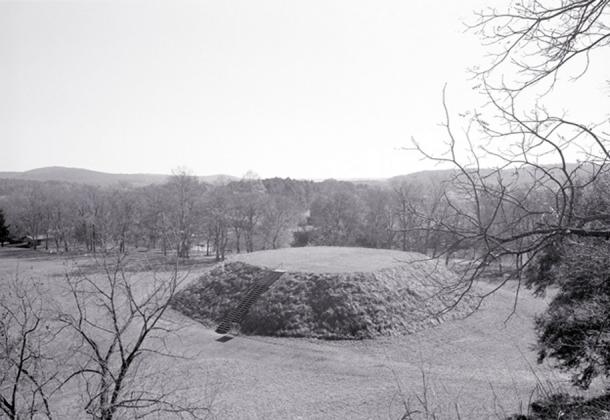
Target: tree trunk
93,239
237,240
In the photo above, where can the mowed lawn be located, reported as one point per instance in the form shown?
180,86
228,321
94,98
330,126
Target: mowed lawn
482,366
328,259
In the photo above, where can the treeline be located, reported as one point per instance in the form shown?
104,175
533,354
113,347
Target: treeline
427,214
241,216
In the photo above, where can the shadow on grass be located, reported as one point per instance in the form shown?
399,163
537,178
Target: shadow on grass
26,253
566,407
135,262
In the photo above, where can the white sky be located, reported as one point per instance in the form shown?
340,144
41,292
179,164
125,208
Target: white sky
306,89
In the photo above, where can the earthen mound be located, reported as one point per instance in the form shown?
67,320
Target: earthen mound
328,292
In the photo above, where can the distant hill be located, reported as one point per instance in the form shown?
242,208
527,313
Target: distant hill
433,175
86,176
517,175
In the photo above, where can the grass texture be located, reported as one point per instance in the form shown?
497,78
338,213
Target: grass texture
329,293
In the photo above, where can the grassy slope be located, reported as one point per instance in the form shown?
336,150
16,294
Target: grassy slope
279,378
481,363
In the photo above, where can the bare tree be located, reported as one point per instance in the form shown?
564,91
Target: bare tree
534,40
94,218
379,219
61,209
186,190
29,369
30,216
247,199
236,219
216,219
279,214
403,198
123,221
117,323
336,218
533,197
155,216
416,204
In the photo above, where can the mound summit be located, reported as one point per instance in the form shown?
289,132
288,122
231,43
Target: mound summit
327,292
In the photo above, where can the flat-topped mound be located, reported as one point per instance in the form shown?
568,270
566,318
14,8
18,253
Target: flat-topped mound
326,292
328,259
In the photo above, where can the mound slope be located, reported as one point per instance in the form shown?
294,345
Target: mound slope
326,292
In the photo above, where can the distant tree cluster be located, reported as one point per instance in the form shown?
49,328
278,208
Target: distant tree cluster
395,216
173,217
240,216
431,213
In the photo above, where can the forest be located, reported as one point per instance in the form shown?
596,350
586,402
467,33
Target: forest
429,212
241,216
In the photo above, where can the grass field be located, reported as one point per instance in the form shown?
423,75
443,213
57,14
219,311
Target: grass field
482,365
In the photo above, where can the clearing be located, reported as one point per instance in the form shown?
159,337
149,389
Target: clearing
482,364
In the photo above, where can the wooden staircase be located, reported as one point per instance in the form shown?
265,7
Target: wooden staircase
237,314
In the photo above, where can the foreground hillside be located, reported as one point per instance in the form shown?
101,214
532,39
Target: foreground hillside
482,365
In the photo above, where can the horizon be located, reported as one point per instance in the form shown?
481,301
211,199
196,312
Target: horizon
250,173
199,175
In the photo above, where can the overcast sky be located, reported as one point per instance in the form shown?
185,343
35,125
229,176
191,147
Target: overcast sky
306,89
